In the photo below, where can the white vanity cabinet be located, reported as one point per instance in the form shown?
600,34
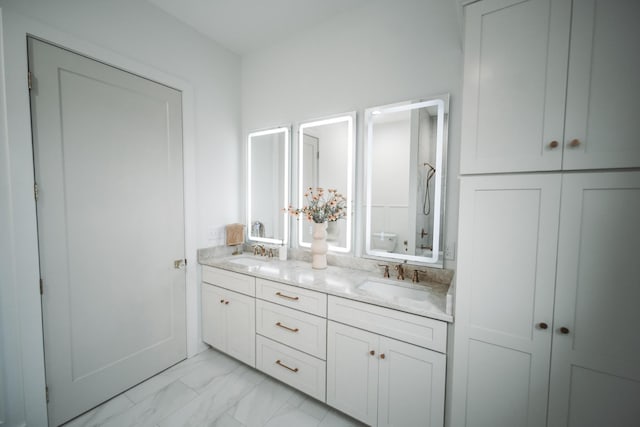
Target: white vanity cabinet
292,336
526,62
546,301
380,379
228,313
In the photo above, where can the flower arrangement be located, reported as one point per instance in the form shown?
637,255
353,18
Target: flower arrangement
322,206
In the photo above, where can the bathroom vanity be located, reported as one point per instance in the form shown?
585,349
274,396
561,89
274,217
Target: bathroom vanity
370,347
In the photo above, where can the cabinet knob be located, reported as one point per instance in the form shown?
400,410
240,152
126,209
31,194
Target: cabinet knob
221,301
553,144
542,325
574,143
226,302
564,330
382,356
372,352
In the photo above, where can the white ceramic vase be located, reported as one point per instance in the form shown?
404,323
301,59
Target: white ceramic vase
319,246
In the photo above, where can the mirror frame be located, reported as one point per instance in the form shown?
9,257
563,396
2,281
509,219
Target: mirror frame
350,119
442,102
286,130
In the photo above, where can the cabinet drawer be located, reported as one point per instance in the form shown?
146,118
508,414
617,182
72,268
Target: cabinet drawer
292,296
418,330
299,370
228,279
302,331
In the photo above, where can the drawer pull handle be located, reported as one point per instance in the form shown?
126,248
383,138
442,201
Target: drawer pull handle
281,295
287,328
285,366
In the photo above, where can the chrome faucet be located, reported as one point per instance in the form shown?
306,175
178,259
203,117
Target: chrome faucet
258,250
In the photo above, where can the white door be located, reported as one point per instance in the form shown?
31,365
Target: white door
411,385
108,165
504,299
310,158
603,92
352,372
516,54
595,374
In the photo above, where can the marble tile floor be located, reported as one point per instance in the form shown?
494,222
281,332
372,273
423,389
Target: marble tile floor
212,389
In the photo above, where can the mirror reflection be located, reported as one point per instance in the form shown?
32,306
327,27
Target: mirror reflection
326,160
268,185
405,150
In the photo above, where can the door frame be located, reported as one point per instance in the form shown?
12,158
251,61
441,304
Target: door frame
23,274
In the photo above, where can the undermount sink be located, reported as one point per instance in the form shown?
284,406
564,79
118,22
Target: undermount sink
248,262
388,291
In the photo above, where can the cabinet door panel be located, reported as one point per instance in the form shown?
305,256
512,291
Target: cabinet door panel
352,371
241,327
411,385
214,323
500,383
505,289
516,54
603,92
596,298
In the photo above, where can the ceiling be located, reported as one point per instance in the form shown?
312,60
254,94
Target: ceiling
243,26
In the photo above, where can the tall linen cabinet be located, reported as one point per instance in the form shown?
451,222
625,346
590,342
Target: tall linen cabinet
548,278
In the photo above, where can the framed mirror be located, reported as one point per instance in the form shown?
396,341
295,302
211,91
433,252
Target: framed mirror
405,152
268,185
326,151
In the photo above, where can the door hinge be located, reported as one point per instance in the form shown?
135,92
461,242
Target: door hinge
35,191
46,392
41,287
30,79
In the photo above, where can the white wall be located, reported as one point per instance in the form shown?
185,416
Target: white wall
384,52
138,37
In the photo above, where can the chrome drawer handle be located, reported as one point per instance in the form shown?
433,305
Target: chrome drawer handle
281,295
287,328
285,366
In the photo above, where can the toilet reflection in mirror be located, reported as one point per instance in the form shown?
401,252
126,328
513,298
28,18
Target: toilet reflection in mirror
326,160
405,149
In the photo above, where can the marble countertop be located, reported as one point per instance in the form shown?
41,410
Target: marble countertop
342,282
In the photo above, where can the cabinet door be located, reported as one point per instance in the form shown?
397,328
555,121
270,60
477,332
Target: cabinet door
241,327
411,385
352,372
214,325
595,374
516,54
603,92
504,294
